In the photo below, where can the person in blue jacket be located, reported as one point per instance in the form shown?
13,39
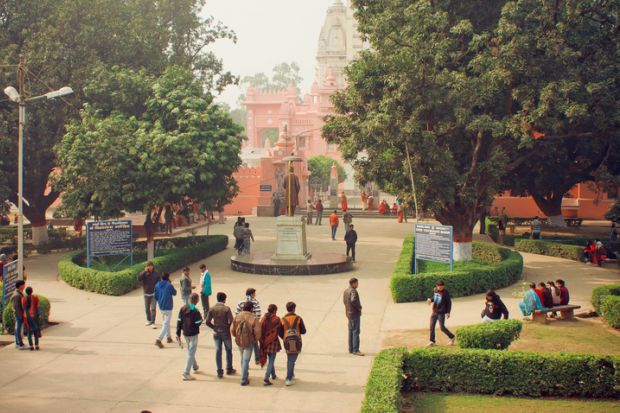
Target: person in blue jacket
163,293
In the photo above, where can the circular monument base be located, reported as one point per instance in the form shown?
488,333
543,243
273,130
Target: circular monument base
318,263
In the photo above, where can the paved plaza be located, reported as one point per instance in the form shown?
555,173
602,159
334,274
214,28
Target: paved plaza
101,357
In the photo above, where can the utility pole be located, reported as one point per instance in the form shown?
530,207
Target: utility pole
21,77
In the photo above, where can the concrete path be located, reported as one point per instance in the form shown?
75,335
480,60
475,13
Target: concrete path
101,357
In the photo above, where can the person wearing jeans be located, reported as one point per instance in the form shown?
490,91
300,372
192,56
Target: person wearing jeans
333,223
149,278
353,311
291,321
19,313
188,322
220,318
163,293
441,305
246,330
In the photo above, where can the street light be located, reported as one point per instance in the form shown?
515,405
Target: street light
21,100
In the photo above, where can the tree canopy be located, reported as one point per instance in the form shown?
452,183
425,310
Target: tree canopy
320,168
283,75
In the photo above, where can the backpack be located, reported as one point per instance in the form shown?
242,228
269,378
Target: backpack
292,339
244,334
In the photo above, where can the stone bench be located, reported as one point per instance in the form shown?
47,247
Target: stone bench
567,312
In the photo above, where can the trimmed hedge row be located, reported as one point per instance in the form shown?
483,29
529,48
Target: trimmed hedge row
121,282
512,373
550,248
382,394
495,335
599,293
606,301
504,268
44,314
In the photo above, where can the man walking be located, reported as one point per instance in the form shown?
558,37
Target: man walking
163,293
441,306
149,278
219,319
205,288
347,218
292,329
351,238
353,311
319,212
333,223
189,322
250,295
19,314
309,209
246,330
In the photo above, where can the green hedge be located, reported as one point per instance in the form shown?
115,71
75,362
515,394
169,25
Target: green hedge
550,248
611,310
189,249
382,394
493,335
512,373
599,293
503,268
44,314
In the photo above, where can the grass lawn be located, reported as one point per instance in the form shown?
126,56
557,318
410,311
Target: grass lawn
448,403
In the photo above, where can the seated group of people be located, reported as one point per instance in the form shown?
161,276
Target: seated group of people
595,252
544,296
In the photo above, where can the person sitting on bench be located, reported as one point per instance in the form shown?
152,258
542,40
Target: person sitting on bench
564,295
531,302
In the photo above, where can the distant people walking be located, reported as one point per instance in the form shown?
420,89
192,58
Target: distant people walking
364,199
347,218
276,201
309,208
353,311
319,212
333,223
205,288
189,321
238,232
536,228
344,202
250,295
163,293
441,307
18,309
248,238
269,342
30,304
186,286
494,308
291,330
351,238
149,278
246,330
220,319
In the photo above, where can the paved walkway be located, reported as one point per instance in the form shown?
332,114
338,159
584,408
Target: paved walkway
101,357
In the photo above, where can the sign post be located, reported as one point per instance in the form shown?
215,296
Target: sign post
10,275
106,238
433,243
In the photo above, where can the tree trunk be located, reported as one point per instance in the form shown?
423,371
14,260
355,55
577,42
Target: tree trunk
551,206
39,225
150,248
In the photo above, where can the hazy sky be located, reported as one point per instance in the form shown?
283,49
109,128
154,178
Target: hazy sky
269,32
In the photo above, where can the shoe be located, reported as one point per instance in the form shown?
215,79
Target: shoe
430,344
267,383
358,353
187,377
159,344
153,326
274,377
196,369
451,342
257,362
288,383
31,348
37,348
22,347
169,340
148,323
230,372
220,374
245,382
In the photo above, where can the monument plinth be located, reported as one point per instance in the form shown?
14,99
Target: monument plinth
291,239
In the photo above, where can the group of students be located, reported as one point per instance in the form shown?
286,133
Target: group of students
596,252
252,334
243,236
544,296
26,310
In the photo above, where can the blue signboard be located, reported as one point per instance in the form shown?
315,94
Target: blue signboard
10,275
105,238
433,243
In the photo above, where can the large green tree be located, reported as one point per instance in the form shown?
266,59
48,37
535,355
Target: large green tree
282,76
320,168
563,57
428,86
64,41
160,139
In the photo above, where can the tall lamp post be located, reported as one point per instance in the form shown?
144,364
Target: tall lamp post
21,99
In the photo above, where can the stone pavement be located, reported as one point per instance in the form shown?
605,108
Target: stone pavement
101,357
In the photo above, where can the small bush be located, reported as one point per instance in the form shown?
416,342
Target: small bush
599,293
121,282
512,373
8,316
610,310
502,268
493,230
552,249
382,393
496,335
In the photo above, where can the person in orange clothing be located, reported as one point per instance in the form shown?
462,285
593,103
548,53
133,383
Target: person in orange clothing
364,201
333,223
344,202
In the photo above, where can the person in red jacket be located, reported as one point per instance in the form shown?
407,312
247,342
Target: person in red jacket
30,303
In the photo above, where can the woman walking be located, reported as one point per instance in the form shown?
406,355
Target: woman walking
269,342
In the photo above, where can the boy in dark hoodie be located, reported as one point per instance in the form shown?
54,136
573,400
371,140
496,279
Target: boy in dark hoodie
189,323
441,305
